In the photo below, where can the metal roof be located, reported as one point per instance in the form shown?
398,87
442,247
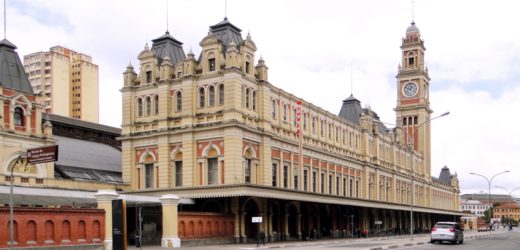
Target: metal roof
167,46
81,123
12,73
76,153
445,176
226,32
351,109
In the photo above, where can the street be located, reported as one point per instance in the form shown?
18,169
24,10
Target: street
509,241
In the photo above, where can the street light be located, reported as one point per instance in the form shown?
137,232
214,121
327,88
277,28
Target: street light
489,190
509,201
409,142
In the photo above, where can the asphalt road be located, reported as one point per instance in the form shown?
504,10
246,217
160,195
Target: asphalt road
509,241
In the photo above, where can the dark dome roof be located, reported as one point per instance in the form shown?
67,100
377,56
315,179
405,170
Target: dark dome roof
412,28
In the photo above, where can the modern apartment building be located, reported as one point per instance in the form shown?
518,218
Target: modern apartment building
68,81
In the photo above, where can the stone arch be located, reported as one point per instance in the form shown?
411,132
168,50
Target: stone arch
15,102
15,230
148,157
96,230
36,170
249,152
182,229
208,149
65,231
251,208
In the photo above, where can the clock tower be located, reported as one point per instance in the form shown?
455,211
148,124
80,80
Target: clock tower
413,102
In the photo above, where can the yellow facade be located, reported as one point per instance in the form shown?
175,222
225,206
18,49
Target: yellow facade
227,124
68,81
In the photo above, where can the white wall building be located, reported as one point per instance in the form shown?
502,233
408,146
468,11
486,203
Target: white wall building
474,206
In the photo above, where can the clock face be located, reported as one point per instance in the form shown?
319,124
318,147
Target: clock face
410,89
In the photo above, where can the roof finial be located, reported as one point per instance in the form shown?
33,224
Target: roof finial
413,12
351,81
5,22
225,9
167,18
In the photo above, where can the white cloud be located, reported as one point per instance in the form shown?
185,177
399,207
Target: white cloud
473,55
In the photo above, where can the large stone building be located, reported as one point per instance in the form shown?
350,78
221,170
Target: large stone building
213,129
67,80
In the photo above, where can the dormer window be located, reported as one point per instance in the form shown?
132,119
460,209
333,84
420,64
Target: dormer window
247,67
211,64
18,117
148,76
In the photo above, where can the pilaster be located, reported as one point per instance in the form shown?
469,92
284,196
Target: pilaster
104,201
170,223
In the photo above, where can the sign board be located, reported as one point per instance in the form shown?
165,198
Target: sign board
118,225
256,219
378,222
42,154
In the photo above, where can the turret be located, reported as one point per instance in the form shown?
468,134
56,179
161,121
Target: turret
262,70
129,75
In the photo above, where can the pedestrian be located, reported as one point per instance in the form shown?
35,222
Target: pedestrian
312,234
261,239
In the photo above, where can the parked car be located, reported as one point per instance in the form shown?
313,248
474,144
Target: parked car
447,231
483,229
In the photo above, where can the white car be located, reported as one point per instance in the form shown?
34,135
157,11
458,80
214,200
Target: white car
447,231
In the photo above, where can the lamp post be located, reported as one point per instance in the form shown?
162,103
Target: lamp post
509,201
410,139
489,190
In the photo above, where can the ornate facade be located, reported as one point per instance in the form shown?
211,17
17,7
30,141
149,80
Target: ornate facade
214,129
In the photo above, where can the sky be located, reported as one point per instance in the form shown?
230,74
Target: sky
322,51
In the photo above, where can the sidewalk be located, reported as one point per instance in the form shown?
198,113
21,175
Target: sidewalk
378,243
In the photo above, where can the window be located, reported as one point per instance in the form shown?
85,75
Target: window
247,67
178,173
314,179
274,109
286,175
156,105
211,63
357,187
212,171
202,97
179,74
247,98
410,61
330,184
253,101
337,134
275,174
148,182
344,186
178,104
351,189
211,101
18,117
323,182
285,112
314,125
321,127
337,184
295,174
304,121
305,181
330,131
148,105
221,94
294,117
247,171
148,76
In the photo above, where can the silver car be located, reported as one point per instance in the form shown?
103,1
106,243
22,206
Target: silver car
447,231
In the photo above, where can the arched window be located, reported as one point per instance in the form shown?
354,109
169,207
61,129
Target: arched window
177,163
149,172
248,161
18,117
294,116
211,91
221,94
253,101
148,105
178,101
211,62
247,98
156,105
139,107
212,170
202,98
314,125
411,59
321,127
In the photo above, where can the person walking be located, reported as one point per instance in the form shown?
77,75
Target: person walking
261,239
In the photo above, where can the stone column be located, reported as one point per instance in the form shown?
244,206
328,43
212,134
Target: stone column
104,200
235,210
170,221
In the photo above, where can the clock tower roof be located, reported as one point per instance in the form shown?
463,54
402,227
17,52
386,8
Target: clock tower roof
412,29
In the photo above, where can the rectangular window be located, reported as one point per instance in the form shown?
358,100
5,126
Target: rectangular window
357,187
178,173
322,186
247,168
285,176
148,76
275,174
295,174
351,189
314,179
148,175
247,67
211,63
337,185
344,186
330,184
274,110
305,182
212,171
